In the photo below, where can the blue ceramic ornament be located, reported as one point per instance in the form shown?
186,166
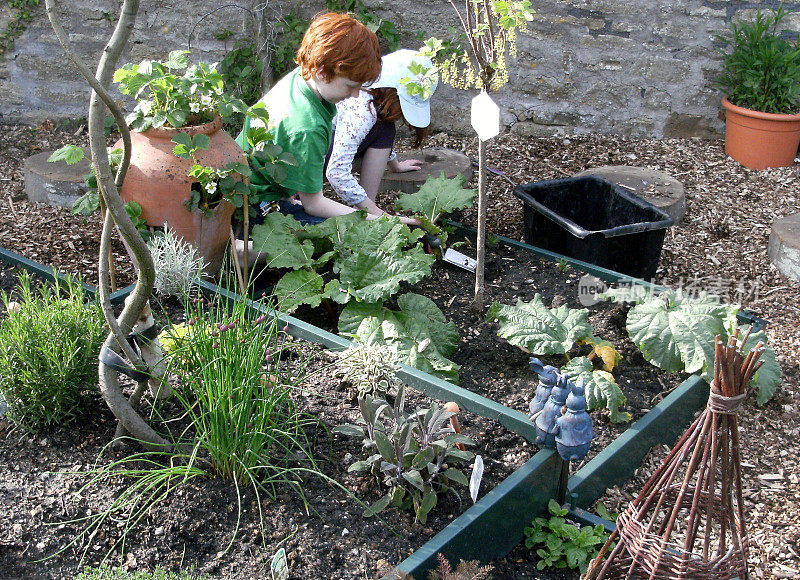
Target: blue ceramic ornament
574,428
546,427
548,377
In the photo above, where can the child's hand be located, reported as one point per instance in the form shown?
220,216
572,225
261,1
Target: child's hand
407,165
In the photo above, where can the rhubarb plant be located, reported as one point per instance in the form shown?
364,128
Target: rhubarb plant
676,332
415,455
418,333
539,330
436,197
362,264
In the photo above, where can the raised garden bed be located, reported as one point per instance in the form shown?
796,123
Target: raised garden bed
193,527
539,473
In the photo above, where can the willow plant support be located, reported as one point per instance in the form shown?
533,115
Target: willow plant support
688,521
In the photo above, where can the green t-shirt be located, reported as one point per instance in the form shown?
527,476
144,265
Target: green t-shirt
300,123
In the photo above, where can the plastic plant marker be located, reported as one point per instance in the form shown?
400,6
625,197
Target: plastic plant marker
460,260
485,116
279,567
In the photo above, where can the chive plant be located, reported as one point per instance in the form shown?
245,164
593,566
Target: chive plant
243,423
238,394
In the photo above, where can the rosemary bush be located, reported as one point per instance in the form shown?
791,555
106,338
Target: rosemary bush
761,68
48,353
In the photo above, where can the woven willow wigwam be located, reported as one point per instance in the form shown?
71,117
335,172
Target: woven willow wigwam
688,521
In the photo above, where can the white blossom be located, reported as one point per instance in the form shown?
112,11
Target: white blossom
206,100
145,107
211,187
194,107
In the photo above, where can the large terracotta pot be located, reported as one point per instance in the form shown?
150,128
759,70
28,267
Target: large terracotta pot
157,180
759,140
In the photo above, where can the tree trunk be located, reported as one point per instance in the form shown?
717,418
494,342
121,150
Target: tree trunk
481,242
108,186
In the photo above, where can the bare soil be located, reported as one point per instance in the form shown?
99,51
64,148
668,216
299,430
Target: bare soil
722,241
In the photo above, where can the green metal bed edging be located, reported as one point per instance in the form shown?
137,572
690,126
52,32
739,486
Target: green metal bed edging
494,525
45,272
52,274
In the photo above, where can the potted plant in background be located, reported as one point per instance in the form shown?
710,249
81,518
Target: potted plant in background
761,74
180,108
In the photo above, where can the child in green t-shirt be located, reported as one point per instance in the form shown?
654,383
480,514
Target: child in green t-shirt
337,56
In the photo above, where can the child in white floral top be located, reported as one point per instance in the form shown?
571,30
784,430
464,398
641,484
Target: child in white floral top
365,129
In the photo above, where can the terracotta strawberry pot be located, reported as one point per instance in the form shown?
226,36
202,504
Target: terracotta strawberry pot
158,181
759,140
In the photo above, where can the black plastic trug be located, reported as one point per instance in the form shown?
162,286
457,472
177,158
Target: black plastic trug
594,220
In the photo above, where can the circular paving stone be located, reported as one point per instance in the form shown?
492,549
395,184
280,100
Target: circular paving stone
435,161
784,245
657,187
54,183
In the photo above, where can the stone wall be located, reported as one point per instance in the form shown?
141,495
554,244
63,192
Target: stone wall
632,67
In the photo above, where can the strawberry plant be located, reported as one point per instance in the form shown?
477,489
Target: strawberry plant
561,544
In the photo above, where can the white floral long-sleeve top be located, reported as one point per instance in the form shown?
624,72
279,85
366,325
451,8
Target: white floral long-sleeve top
355,117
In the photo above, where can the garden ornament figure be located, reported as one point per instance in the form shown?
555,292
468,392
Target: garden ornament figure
574,428
546,427
548,376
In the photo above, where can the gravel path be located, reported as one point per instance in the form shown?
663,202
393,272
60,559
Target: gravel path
721,243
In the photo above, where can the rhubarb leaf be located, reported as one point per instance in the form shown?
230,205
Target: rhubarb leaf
372,262
419,321
438,195
602,391
278,238
539,330
302,287
676,332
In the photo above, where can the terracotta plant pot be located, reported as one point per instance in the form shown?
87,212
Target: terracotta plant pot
759,140
157,181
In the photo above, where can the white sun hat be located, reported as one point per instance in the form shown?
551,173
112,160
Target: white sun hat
396,74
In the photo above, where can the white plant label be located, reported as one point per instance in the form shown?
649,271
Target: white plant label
475,479
279,566
485,116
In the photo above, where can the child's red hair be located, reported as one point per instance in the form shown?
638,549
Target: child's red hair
339,45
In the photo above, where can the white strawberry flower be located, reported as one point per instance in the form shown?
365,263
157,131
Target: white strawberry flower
211,187
206,100
145,107
194,107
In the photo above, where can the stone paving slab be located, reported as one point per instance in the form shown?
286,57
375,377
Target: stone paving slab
659,188
784,245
